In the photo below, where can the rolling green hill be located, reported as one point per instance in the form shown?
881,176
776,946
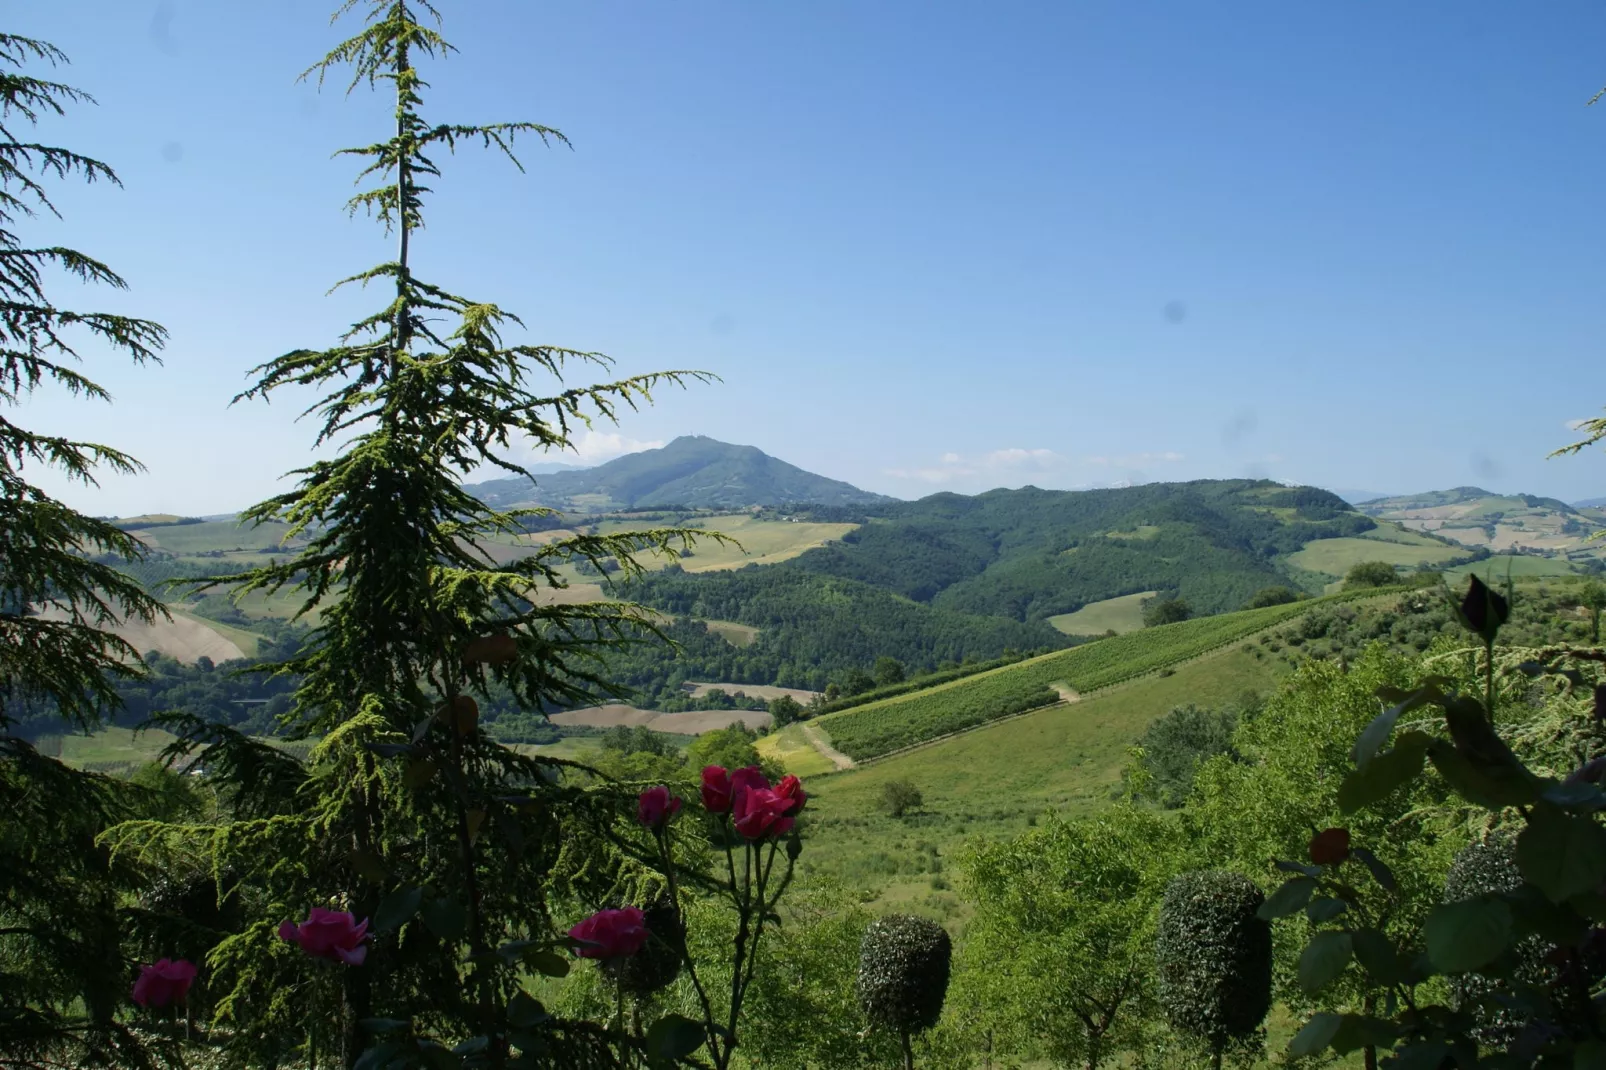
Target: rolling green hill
1032,554
693,471
878,728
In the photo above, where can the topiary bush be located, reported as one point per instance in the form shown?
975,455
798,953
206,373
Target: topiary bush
1480,868
1214,957
903,974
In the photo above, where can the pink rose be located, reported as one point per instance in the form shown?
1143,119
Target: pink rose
168,981
790,789
329,934
610,934
716,789
656,806
759,812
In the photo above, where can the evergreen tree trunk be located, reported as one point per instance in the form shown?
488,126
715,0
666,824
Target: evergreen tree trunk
908,1052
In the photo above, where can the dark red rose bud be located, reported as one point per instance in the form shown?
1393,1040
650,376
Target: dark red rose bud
1329,847
1484,610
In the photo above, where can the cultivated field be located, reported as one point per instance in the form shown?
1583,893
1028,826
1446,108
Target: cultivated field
993,781
904,720
1521,565
763,691
1121,615
184,637
1335,557
688,723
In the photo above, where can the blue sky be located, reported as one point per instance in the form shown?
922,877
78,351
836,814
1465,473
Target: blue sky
927,245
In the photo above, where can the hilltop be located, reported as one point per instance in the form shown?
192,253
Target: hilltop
1500,523
693,471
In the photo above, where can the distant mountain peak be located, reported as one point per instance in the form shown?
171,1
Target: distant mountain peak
691,470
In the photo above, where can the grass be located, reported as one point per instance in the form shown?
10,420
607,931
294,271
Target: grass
1521,565
733,633
246,641
791,749
1335,557
1121,615
114,746
187,539
763,541
995,781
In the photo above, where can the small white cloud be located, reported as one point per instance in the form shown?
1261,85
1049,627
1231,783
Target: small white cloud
950,458
1574,425
595,447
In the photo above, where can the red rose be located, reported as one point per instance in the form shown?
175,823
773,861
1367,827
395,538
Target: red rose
790,789
168,981
329,934
610,934
750,777
759,812
656,806
1329,847
716,789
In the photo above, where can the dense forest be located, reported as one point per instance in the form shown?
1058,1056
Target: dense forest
1029,554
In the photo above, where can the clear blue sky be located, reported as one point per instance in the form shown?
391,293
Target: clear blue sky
928,245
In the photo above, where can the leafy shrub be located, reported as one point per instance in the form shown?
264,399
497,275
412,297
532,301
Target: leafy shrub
903,973
1174,745
898,797
1371,574
1273,596
1213,954
1165,611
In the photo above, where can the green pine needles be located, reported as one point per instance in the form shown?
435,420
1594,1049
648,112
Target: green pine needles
405,814
62,940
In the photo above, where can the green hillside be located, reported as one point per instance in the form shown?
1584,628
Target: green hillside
693,470
1031,554
878,728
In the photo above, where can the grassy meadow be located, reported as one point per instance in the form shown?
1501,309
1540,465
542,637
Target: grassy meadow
1335,557
1119,615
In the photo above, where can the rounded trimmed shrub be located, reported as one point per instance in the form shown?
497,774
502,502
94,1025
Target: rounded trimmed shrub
903,972
1214,957
1480,868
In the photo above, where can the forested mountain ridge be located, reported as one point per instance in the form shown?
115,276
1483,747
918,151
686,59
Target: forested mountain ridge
693,470
1029,554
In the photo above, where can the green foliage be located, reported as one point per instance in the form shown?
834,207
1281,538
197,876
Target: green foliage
1173,746
903,973
899,797
1273,596
1502,907
1480,868
1213,957
877,730
1165,611
1059,953
784,709
729,748
63,956
813,629
405,800
1030,554
1371,574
